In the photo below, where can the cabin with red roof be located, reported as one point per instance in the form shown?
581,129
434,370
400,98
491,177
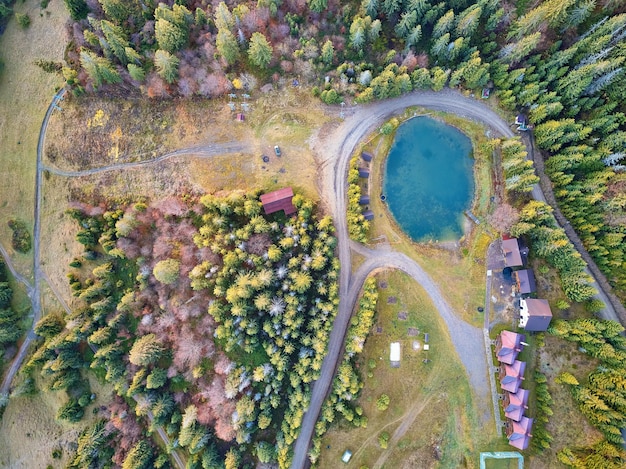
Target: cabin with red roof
511,376
278,200
515,403
518,433
508,345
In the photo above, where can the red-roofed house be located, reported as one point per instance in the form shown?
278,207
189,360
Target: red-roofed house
508,345
511,376
515,404
518,433
278,200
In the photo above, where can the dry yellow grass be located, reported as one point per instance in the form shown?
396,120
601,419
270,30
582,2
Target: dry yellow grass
25,92
29,431
429,400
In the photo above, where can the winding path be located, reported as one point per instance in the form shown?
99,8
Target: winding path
34,292
201,151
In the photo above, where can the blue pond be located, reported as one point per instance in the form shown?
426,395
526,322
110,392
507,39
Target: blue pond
429,181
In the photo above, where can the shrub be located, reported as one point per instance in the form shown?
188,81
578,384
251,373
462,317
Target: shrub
562,304
594,305
21,240
383,440
382,403
167,271
23,20
71,411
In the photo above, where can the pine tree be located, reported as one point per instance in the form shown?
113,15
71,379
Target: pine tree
227,46
145,351
317,6
116,39
78,9
328,52
141,456
260,51
100,70
119,11
170,37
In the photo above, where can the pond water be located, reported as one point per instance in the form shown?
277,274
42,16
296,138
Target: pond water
428,181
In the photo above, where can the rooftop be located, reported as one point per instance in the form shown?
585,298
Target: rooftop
525,280
512,254
508,345
278,200
535,314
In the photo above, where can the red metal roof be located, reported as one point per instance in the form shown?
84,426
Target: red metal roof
278,200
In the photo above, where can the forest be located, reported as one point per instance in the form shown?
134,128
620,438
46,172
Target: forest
558,61
227,386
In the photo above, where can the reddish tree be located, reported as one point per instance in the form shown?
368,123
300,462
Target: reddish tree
504,217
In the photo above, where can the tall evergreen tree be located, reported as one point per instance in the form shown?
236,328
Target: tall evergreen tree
260,50
78,9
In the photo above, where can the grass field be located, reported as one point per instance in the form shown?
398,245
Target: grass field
29,431
25,92
457,265
431,419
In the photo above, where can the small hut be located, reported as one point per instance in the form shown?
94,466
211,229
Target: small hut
368,215
364,173
278,200
367,157
364,200
525,281
394,354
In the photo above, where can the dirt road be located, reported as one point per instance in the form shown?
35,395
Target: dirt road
33,290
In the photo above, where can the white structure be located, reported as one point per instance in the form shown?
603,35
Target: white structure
346,456
535,314
394,353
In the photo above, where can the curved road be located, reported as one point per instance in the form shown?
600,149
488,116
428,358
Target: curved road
338,149
33,290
